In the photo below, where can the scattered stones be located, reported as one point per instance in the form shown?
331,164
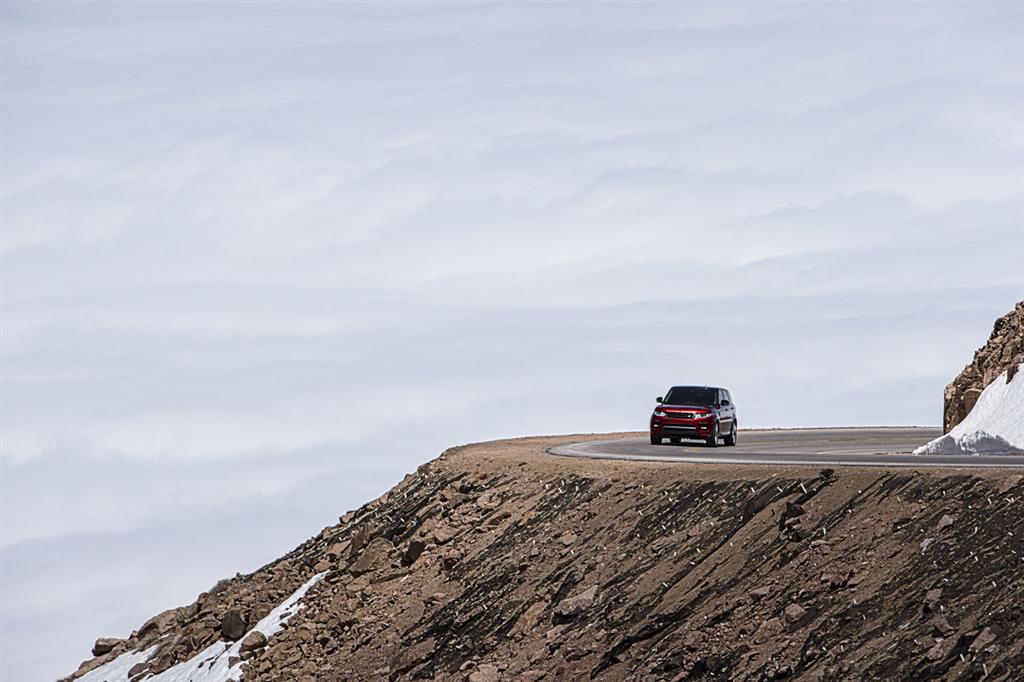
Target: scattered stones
568,539
925,544
759,593
945,521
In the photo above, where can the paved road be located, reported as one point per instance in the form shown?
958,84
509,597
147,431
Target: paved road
888,447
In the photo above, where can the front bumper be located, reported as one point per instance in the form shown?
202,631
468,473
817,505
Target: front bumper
682,428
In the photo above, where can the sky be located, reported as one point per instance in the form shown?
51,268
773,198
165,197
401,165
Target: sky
261,260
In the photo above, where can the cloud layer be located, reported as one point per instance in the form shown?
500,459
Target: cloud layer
261,260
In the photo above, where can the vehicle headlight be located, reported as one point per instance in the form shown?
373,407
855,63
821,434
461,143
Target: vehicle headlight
659,413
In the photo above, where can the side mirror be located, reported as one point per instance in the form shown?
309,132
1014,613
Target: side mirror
725,403
660,399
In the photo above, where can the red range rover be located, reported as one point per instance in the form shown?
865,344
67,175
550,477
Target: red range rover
702,412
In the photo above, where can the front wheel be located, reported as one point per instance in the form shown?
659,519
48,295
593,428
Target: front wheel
655,440
713,440
731,438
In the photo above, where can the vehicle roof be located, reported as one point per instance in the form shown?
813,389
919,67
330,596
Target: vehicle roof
717,388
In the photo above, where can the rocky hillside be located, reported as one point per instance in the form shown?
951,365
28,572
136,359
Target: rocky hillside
499,562
1004,352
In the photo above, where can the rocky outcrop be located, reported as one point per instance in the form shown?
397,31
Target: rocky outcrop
1004,352
104,645
530,567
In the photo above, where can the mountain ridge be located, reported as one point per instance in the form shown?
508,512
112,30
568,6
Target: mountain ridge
498,561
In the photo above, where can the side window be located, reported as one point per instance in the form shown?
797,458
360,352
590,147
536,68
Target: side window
728,396
721,395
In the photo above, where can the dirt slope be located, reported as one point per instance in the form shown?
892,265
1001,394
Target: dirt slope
1003,351
499,562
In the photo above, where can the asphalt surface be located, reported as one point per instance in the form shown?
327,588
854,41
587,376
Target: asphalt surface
886,447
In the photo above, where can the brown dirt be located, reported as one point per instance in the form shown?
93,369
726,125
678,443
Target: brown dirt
536,567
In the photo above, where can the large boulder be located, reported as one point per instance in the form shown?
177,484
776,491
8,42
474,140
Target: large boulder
104,645
376,556
233,625
1004,352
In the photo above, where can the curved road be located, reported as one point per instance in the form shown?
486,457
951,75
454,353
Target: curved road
887,447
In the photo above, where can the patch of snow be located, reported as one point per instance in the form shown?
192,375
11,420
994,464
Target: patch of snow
118,668
994,427
211,664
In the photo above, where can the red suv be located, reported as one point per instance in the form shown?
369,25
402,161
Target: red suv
700,412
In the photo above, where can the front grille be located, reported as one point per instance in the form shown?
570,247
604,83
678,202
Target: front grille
679,415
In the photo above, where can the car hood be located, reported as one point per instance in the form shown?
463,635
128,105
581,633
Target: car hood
695,408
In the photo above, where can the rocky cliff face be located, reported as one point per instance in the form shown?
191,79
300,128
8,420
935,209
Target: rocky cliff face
500,562
1003,352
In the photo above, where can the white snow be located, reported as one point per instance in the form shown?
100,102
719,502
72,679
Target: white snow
994,427
118,668
210,664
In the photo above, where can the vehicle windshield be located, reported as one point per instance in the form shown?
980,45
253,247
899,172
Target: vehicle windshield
691,395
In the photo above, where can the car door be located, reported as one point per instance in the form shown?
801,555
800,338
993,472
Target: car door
725,414
731,408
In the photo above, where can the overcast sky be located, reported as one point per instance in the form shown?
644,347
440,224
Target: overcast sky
261,260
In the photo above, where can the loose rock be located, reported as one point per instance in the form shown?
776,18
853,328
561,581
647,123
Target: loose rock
104,645
573,606
254,640
375,556
793,613
232,625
